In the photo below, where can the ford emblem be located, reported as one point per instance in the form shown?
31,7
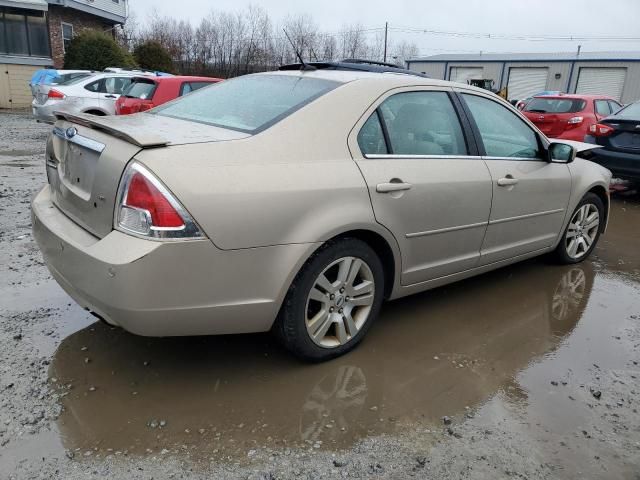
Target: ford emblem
71,132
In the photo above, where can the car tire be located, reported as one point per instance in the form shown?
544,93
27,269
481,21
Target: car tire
323,316
581,235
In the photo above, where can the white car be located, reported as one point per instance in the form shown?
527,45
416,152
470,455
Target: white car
95,95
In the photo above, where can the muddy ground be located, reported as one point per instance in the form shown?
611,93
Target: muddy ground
529,372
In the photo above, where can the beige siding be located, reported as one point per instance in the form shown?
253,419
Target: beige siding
14,85
631,91
433,70
109,6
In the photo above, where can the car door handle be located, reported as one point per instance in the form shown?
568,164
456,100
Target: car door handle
110,96
507,181
392,187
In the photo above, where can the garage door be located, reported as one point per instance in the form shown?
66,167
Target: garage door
463,74
601,81
525,82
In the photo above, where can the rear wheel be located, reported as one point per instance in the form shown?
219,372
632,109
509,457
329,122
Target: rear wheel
582,234
332,302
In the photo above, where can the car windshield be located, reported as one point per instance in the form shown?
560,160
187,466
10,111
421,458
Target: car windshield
250,103
555,105
630,111
140,89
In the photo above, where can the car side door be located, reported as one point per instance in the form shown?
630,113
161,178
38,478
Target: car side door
426,183
111,90
530,193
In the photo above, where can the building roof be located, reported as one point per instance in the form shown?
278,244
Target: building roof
32,4
532,57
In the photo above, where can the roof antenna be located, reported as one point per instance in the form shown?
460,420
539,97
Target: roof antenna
305,66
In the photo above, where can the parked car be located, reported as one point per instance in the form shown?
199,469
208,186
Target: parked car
298,200
520,104
95,95
145,93
619,135
42,79
569,116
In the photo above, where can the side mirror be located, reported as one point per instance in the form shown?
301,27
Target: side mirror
561,153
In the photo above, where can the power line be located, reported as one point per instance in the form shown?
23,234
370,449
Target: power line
499,36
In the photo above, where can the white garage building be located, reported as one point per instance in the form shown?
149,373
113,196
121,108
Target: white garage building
603,73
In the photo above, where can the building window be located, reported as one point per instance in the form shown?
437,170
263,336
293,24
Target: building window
23,32
67,35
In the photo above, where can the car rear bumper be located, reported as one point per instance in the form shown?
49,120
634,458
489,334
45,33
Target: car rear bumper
165,288
43,112
622,165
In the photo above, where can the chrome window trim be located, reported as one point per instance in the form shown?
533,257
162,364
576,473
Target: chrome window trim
529,159
80,140
383,156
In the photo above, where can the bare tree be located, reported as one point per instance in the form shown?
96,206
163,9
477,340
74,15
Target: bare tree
227,44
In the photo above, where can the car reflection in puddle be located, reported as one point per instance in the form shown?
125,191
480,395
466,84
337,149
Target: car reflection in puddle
429,355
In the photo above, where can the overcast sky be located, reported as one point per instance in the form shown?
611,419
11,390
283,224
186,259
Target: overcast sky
613,18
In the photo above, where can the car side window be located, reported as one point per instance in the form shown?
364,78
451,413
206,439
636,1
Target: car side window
422,123
185,88
602,107
615,106
371,138
116,85
502,132
94,86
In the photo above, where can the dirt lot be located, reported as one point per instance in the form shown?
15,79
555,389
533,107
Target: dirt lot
529,372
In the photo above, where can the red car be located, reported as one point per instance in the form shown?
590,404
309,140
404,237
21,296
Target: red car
569,116
144,93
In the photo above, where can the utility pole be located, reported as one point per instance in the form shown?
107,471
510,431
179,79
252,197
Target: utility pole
386,31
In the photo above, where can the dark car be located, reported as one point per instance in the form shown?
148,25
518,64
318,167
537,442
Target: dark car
619,136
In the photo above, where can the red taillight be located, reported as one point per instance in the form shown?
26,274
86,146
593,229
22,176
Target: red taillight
146,106
53,93
600,130
142,194
147,208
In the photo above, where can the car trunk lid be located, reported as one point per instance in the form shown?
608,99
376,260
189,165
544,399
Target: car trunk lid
551,124
86,157
626,136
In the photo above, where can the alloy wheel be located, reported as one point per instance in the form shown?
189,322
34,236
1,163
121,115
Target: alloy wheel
339,302
582,231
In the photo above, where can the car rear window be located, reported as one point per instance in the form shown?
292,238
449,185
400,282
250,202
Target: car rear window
630,111
555,105
250,103
70,78
140,89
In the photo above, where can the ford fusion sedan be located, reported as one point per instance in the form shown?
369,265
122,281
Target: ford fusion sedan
297,201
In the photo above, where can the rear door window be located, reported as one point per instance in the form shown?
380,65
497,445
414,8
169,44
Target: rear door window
116,85
97,86
371,137
422,123
602,108
503,133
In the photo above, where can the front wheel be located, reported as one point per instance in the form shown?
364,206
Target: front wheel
582,234
332,302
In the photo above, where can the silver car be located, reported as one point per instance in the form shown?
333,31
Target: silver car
93,94
297,201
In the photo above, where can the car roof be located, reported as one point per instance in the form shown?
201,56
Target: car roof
575,97
353,64
392,79
179,78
